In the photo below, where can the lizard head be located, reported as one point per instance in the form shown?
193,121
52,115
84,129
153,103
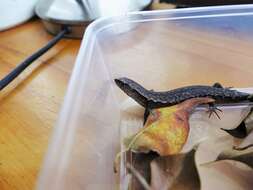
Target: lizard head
132,89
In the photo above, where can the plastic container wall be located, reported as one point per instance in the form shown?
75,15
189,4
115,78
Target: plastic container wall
159,49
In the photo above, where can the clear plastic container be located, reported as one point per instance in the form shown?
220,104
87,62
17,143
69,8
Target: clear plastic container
159,49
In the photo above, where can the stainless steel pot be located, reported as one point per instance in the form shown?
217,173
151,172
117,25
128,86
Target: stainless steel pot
77,14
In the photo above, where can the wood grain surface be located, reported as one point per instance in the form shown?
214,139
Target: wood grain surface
29,107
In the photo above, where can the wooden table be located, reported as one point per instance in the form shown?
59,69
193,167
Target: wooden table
29,107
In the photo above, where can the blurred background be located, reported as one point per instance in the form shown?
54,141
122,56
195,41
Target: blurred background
13,13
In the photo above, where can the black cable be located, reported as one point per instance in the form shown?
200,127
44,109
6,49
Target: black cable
28,61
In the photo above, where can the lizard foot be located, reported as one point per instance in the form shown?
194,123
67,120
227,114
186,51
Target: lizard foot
213,109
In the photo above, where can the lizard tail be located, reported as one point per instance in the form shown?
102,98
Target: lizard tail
133,89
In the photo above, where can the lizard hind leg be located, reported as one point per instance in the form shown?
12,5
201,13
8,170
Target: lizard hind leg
217,85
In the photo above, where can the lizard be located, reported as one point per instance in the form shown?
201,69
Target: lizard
150,99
